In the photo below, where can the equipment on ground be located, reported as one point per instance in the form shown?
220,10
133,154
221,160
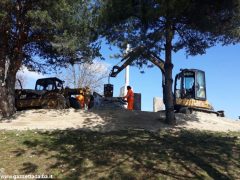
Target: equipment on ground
108,90
49,93
189,86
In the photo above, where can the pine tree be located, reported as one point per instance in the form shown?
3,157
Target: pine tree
166,26
42,35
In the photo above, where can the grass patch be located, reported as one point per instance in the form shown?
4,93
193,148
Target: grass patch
126,154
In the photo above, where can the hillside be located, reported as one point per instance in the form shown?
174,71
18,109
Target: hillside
122,145
111,120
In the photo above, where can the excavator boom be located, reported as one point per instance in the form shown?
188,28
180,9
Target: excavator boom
133,55
129,58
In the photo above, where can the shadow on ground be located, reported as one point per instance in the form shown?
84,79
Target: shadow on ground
123,119
98,120
135,154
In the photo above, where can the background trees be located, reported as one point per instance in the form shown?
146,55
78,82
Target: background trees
22,83
91,75
42,35
163,27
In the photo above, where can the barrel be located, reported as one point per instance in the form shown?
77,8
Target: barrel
108,90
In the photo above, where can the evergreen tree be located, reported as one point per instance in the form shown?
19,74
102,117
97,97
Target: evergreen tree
42,35
164,26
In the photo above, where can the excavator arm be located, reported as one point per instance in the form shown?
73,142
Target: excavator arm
128,58
133,55
155,60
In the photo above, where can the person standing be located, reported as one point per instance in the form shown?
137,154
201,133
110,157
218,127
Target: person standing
130,98
87,97
80,98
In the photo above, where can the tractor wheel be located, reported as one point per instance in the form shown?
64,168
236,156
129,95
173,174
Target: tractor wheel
61,102
54,101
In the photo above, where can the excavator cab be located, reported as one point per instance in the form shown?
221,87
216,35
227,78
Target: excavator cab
190,84
190,90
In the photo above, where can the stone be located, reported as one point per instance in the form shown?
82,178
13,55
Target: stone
158,104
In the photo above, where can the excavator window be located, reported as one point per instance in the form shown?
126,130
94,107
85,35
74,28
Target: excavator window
50,87
39,87
188,85
200,85
59,85
178,87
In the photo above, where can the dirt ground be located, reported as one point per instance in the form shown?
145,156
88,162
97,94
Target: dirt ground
111,120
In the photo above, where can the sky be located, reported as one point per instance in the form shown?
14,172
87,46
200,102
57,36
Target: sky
220,63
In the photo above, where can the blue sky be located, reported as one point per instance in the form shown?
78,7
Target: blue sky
220,63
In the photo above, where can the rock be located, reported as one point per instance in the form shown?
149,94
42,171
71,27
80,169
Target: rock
111,103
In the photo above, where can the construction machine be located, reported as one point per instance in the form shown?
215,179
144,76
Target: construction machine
49,93
189,85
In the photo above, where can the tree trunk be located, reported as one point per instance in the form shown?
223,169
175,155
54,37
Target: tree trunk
7,79
74,77
11,56
168,66
7,95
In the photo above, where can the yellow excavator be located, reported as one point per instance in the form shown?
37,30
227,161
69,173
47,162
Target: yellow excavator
189,85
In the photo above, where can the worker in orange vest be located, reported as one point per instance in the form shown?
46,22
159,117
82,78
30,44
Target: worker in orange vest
80,98
130,98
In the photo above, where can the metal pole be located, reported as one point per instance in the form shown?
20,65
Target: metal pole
127,68
123,90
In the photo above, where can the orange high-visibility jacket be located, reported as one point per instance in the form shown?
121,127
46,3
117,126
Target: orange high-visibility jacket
130,99
80,98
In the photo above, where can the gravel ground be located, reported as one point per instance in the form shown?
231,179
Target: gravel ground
111,120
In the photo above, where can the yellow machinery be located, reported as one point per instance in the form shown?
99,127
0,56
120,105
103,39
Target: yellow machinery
49,93
189,85
190,91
